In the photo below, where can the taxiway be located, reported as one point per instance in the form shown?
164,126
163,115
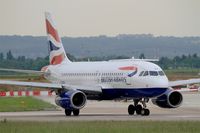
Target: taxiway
116,111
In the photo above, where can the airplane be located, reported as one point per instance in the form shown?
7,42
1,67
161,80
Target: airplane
76,82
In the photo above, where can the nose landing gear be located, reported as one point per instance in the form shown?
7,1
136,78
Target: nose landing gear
139,109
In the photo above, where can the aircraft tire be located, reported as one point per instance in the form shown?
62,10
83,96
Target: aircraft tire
131,109
145,112
138,109
76,112
68,112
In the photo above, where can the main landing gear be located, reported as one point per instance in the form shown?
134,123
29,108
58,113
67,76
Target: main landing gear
68,112
139,109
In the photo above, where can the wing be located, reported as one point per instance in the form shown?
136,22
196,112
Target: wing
182,90
183,82
31,84
86,89
53,86
22,71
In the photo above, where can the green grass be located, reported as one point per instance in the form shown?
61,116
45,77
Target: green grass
184,71
7,75
10,104
101,127
177,74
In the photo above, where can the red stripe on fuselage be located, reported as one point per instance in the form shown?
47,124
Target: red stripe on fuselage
52,31
128,68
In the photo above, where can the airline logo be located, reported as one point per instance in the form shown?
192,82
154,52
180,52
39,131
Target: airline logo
52,31
130,68
57,54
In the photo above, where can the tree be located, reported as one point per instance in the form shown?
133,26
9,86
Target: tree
184,57
142,56
1,56
21,58
195,55
9,55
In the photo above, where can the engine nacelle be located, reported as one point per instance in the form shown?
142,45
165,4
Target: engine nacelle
171,99
71,100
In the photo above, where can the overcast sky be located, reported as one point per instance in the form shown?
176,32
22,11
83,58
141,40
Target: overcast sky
102,17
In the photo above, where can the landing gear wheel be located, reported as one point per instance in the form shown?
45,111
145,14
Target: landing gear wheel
138,109
76,112
131,109
145,112
68,112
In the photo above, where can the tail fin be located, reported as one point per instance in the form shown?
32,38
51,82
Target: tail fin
56,49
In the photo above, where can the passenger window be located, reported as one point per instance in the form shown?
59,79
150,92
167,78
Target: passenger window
153,73
141,73
146,73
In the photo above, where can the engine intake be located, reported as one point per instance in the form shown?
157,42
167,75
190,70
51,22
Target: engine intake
71,100
171,99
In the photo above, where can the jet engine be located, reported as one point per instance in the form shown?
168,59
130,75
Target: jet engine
170,99
71,100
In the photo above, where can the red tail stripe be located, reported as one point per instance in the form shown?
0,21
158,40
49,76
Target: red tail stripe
52,31
57,59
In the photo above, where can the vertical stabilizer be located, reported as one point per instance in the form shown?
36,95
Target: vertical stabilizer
56,50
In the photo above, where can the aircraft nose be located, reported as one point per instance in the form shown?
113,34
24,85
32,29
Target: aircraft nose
159,82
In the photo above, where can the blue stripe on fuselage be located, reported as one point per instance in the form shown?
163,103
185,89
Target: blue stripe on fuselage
132,92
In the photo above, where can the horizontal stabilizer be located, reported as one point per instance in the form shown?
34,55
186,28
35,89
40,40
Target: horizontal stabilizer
22,71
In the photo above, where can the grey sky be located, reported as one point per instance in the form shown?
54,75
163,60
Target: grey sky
102,17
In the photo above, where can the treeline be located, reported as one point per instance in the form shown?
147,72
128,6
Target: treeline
21,62
190,61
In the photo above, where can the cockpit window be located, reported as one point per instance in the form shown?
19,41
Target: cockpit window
146,73
141,73
161,73
153,73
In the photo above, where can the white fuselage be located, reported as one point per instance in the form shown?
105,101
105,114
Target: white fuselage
110,75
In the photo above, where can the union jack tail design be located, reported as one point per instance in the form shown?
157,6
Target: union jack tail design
56,50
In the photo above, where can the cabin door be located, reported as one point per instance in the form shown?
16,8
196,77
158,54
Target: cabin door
129,80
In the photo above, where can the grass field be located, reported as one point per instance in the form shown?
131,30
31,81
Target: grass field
101,127
14,104
177,74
